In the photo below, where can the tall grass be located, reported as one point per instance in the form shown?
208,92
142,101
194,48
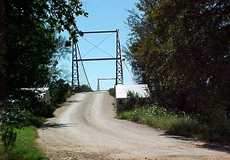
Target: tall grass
157,117
178,123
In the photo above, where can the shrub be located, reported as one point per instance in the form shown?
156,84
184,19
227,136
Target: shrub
13,117
59,90
30,101
133,101
25,146
84,88
44,110
159,117
9,136
178,123
112,92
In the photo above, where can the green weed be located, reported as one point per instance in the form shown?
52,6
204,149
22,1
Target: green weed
25,147
158,117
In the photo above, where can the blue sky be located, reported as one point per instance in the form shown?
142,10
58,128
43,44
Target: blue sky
103,15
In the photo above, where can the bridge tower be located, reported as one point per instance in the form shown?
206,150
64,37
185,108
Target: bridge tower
76,58
75,66
119,68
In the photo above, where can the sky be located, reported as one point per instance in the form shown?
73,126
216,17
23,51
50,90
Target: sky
103,15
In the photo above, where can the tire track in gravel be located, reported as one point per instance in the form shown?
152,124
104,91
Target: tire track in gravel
85,128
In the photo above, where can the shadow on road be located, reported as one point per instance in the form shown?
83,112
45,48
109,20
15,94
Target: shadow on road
56,125
217,147
202,144
67,103
73,101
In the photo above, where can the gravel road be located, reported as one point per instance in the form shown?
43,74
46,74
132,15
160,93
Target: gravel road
85,128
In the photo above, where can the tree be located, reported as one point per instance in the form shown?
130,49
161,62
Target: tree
3,51
33,38
181,49
29,38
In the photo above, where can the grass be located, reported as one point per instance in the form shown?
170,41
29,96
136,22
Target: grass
157,117
25,147
178,124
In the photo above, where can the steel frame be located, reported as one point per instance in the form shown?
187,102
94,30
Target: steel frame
103,79
75,67
97,59
76,59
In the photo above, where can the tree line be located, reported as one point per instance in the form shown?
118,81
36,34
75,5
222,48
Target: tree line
181,49
30,44
30,38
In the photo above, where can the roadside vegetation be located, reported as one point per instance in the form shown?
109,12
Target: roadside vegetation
160,118
84,88
59,91
31,43
181,50
112,92
177,123
25,147
173,122
21,117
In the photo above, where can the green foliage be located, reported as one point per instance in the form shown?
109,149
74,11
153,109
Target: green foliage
84,88
181,50
112,92
9,135
177,123
35,120
29,46
44,110
159,117
29,100
13,117
24,109
3,52
25,146
30,40
59,90
33,41
133,101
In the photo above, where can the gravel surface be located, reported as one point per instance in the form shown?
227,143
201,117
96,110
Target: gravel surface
85,128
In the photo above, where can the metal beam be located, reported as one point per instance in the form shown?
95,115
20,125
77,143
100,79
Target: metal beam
96,59
95,32
103,79
75,67
118,58
119,68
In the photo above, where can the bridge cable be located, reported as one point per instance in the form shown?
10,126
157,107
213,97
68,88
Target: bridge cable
92,48
129,72
96,46
83,66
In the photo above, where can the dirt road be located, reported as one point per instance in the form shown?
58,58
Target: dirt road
85,128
